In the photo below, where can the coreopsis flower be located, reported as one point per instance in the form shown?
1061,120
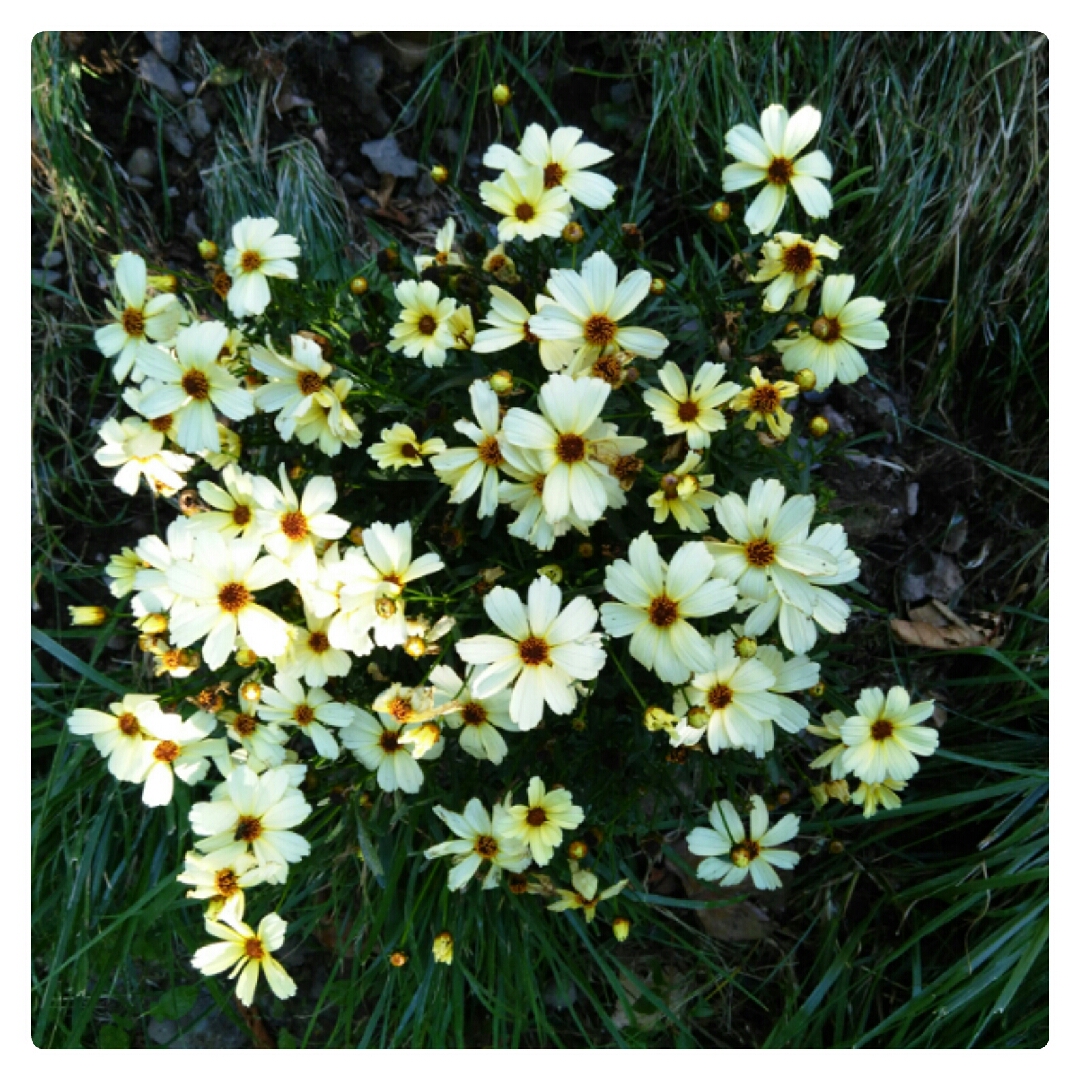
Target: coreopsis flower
263,744
763,402
296,383
400,446
792,674
333,427
509,319
885,737
176,747
257,254
154,593
830,729
229,454
792,265
692,411
872,797
235,507
589,310
423,327
543,654
192,385
466,469
217,590
310,655
221,878
528,209
684,496
256,813
731,854
135,449
118,734
444,249
499,264
563,161
121,569
377,744
482,842
524,492
479,720
313,710
657,599
831,348
770,157
247,952
87,614
583,896
540,823
142,319
291,525
462,328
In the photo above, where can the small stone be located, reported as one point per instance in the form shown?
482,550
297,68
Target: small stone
386,156
912,499
161,1032
52,259
43,277
913,587
142,164
166,43
837,421
367,67
198,122
351,184
189,87
945,580
192,227
140,183
154,70
177,138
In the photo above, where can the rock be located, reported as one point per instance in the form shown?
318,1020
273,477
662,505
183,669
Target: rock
351,185
366,66
198,122
166,43
40,277
154,70
161,1032
189,87
51,259
140,183
177,138
425,186
912,499
913,587
945,579
386,156
837,421
192,227
142,164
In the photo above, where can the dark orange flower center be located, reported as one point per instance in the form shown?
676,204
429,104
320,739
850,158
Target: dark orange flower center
195,384
533,651
133,322
570,449
760,553
798,258
233,597
600,330
780,170
663,611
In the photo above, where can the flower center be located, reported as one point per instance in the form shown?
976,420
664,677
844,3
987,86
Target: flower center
881,730
524,211
780,170
826,329
195,384
538,485
133,322
760,553
162,423
663,611
400,709
609,368
720,697
294,525
388,741
166,751
385,607
244,726
410,451
222,284
474,714
318,642
534,651
253,949
627,468
309,382
765,399
488,451
427,325
241,514
248,829
225,882
600,330
570,449
233,597
536,817
304,715
688,411
487,847
554,174
128,725
745,853
250,261
798,258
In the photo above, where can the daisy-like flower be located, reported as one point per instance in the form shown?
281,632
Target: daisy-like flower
234,506
220,878
543,653
290,525
792,675
229,454
831,348
872,797
217,591
482,841
136,449
193,384
524,492
444,249
692,411
141,321
377,744
465,469
333,427
154,593
257,254
657,599
830,729
563,160
479,720
500,265
311,657
541,823
509,319
423,329
247,952
684,496
288,703
176,747
401,447
118,734
263,744
296,384
462,328
883,739
583,896
770,157
121,569
256,813
590,307
763,402
792,265
731,854
528,209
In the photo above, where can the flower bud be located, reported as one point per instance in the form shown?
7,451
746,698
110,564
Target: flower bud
697,718
502,382
585,549
553,572
817,690
87,616
296,472
359,285
746,647
440,174
658,286
720,211
573,233
836,847
620,927
356,535
805,380
783,797
246,657
501,95
399,959
792,329
251,692
819,427
578,850
415,646
443,948
208,250
156,622
164,283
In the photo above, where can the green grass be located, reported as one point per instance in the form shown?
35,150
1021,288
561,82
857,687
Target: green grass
930,926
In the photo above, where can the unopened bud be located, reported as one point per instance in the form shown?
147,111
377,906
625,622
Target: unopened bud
415,646
502,382
87,616
356,535
792,329
620,927
836,847
443,948
578,850
440,174
805,379
746,647
296,472
164,283
783,797
658,286
359,285
573,233
553,572
399,959
208,250
585,549
246,657
819,427
817,690
720,211
157,622
251,692
697,718
502,95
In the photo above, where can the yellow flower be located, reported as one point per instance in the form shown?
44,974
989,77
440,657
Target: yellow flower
583,896
528,210
792,264
423,328
540,824
763,402
401,446
248,952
